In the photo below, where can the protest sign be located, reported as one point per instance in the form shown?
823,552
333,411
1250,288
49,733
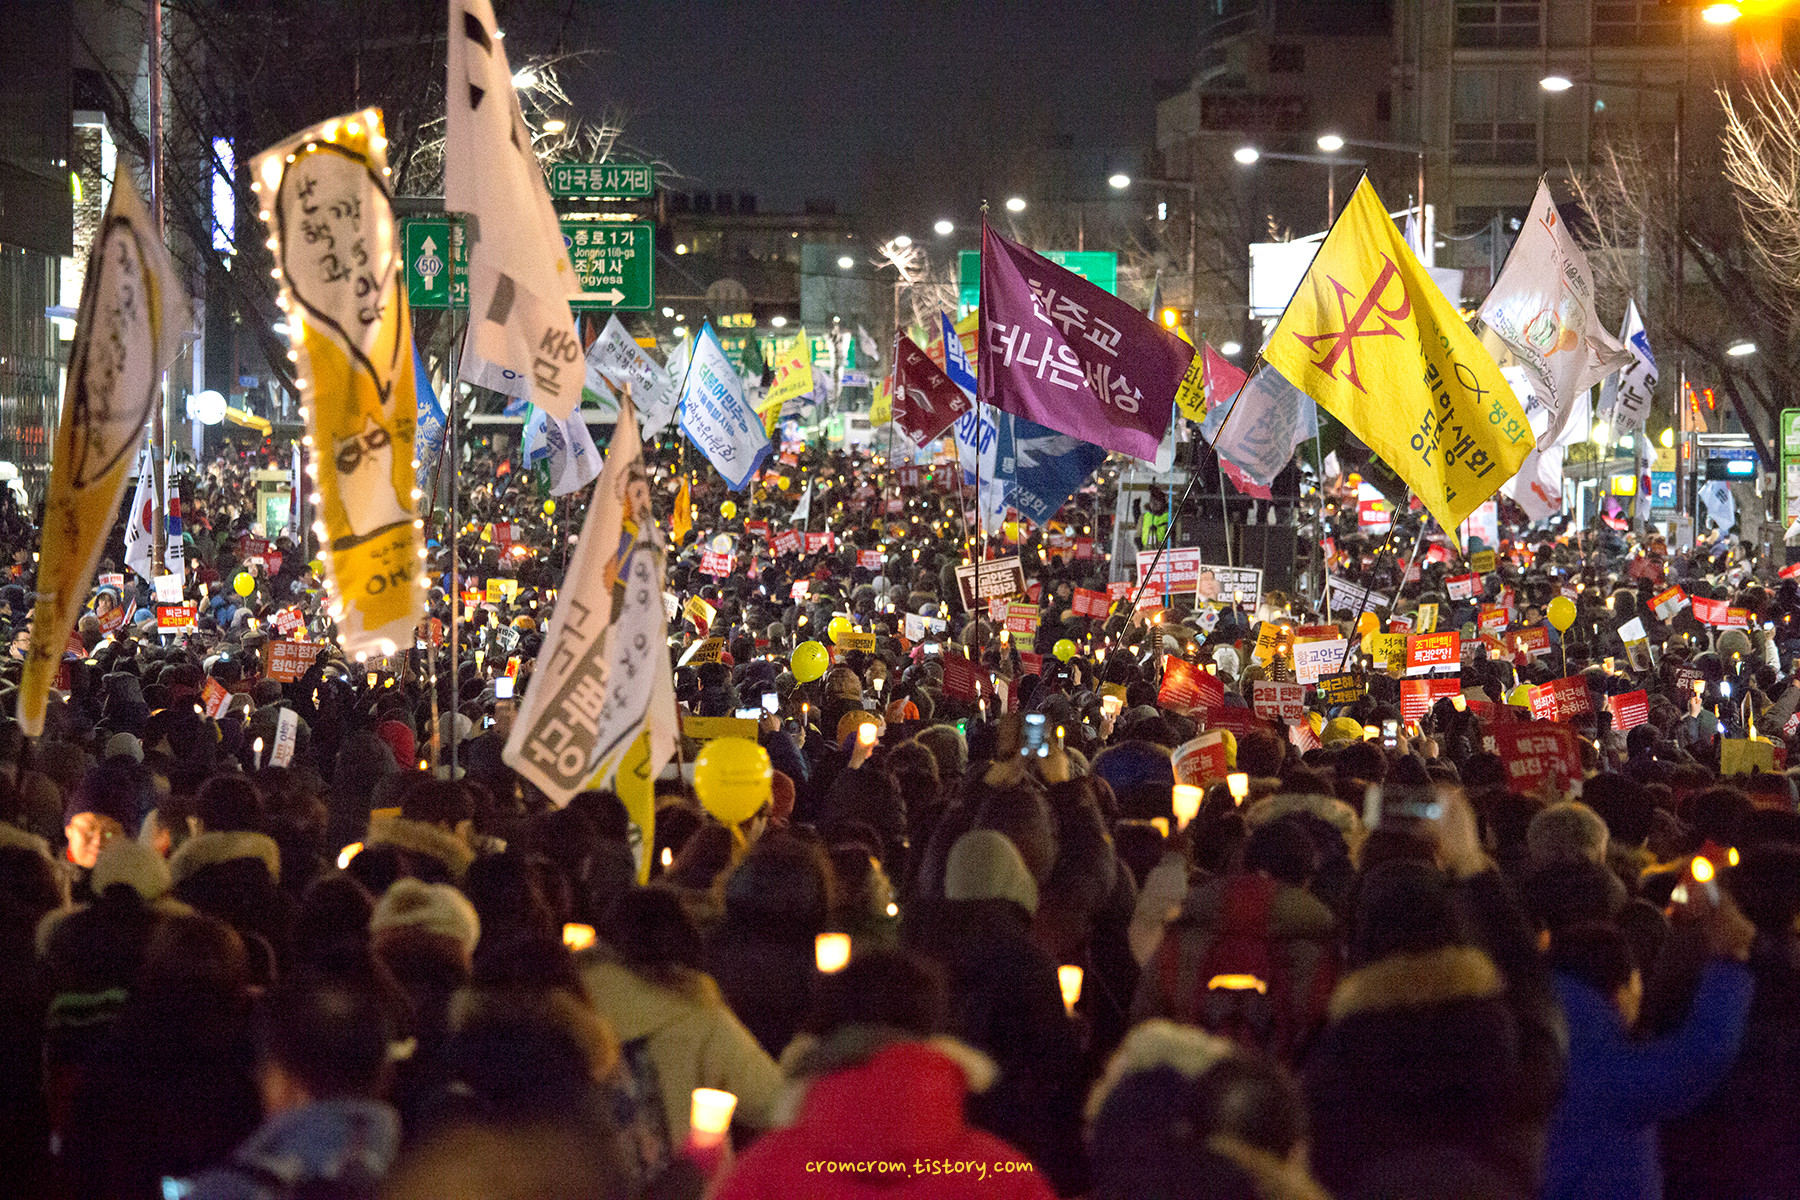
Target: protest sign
1343,688
1428,652
977,582
1629,710
285,661
1418,695
1562,699
1313,660
1537,756
1201,761
1278,701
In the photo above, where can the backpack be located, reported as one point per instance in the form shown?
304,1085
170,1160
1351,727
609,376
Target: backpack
634,1099
1237,978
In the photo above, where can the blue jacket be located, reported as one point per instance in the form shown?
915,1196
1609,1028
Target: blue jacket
325,1140
1603,1137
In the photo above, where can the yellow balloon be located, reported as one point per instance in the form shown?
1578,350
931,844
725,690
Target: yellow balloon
1368,623
1064,649
243,585
733,778
549,508
728,509
809,662
781,481
840,625
1562,613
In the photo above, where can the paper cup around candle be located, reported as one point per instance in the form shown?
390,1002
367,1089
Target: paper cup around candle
1186,799
711,1115
578,937
1239,783
1110,705
831,951
1068,977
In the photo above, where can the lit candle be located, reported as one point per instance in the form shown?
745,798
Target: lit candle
668,857
831,952
347,853
578,937
1186,801
1068,977
710,1116
1239,783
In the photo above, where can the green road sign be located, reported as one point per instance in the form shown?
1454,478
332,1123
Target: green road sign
1098,267
1790,465
602,180
429,280
615,263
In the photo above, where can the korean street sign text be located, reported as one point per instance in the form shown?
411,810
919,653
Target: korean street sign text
602,180
615,263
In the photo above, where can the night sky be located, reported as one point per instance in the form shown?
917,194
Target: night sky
899,111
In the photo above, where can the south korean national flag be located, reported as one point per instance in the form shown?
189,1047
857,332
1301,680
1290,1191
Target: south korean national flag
520,279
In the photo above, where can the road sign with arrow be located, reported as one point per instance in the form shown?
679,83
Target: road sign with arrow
430,281
615,264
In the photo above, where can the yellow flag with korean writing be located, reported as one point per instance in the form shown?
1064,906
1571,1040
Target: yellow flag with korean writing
881,410
1371,338
681,520
793,377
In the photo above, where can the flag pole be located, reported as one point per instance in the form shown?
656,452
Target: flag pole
455,525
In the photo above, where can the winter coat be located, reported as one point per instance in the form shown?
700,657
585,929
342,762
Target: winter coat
1743,1140
354,1141
692,1039
1603,1137
1421,1053
1006,1003
235,876
432,853
889,1125
766,978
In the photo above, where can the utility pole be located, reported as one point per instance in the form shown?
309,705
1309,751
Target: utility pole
159,531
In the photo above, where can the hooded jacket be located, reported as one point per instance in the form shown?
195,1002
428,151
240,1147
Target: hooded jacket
331,1140
234,875
1603,1137
419,839
692,1038
851,1140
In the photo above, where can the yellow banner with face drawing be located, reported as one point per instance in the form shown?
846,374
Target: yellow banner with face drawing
324,195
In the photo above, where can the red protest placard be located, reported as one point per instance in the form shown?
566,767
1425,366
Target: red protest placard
1084,547
177,618
1710,612
1240,721
871,560
757,529
1418,695
1737,618
1032,664
713,563
1021,618
288,661
1562,699
1462,586
1430,651
1118,590
1180,691
213,697
1493,619
816,542
960,680
1201,761
787,542
1629,710
1667,604
1536,754
1087,603
1534,640
1278,701
1789,571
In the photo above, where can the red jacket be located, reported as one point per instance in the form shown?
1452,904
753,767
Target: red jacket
890,1128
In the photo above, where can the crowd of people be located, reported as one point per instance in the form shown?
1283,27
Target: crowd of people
1363,950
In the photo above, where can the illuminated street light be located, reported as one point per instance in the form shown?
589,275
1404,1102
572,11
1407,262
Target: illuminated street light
846,262
944,228
778,321
1556,83
1121,181
1330,143
902,241
1230,348
1742,349
1246,154
555,125
1016,204
1668,438
525,79
1720,14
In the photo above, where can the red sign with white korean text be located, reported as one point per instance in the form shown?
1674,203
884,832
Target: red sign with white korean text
1118,590
1667,604
177,618
1432,651
1087,603
1418,695
1710,612
288,661
1536,754
1629,710
1201,761
1278,701
960,679
1462,586
871,560
1533,640
1493,619
1021,618
787,542
213,697
757,529
713,563
1562,699
816,542
1084,547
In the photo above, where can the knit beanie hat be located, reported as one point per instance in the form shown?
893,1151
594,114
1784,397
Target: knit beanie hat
124,860
124,745
433,908
985,865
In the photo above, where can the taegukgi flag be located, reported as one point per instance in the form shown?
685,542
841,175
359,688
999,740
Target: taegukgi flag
326,203
1057,350
716,416
603,679
1371,338
520,279
133,313
1543,308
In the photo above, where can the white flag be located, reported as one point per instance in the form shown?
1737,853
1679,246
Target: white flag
474,369
717,417
866,347
520,279
617,358
603,676
574,461
803,510
1625,397
1543,308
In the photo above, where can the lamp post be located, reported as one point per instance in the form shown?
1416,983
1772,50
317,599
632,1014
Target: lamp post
1121,181
1331,143
1251,155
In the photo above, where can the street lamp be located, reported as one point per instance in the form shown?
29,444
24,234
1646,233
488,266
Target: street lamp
778,321
845,262
1330,143
1720,14
1741,349
944,228
902,241
1556,83
1015,204
1246,154
1120,181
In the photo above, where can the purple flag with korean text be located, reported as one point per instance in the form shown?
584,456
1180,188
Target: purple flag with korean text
1057,350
